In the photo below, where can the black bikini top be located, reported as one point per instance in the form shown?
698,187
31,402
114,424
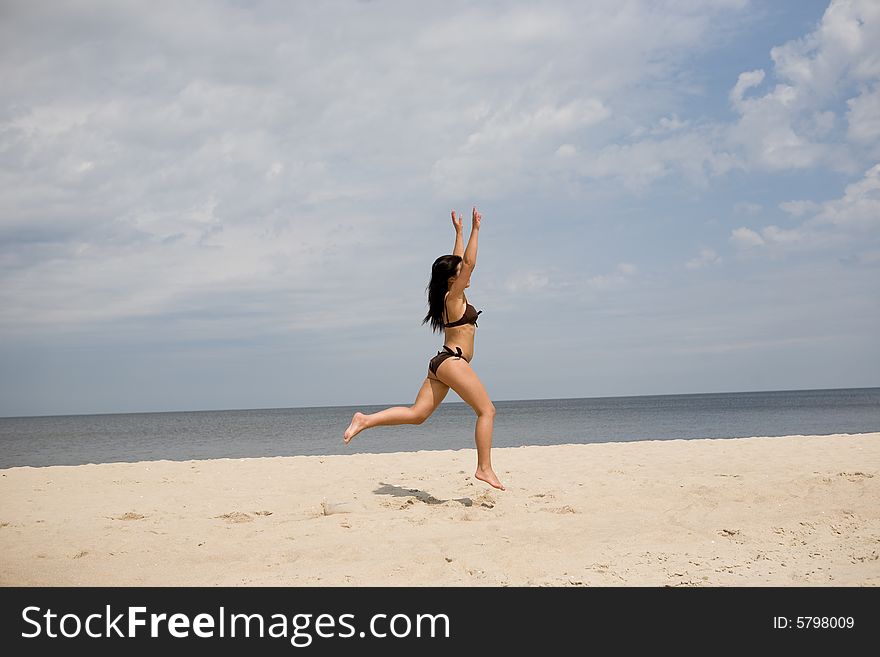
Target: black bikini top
469,317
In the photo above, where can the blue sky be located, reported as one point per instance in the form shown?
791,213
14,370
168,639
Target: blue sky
236,205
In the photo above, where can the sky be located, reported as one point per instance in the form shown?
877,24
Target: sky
228,205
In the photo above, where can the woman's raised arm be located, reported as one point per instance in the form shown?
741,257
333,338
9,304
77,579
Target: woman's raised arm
470,253
459,243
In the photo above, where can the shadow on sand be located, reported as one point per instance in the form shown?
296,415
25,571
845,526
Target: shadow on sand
422,496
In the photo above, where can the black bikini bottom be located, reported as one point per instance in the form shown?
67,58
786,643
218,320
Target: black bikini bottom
443,355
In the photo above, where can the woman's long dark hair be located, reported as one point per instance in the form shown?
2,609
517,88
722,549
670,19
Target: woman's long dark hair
442,270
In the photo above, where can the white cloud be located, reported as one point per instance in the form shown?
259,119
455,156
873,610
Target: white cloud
527,281
150,156
778,240
746,238
858,210
863,117
792,125
556,116
509,140
510,125
481,31
705,258
798,208
850,219
843,46
766,133
642,163
747,207
622,273
665,125
785,236
744,82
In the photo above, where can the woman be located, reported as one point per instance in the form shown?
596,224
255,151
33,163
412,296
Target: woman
450,368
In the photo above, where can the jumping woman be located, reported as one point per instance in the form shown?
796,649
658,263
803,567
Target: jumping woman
450,368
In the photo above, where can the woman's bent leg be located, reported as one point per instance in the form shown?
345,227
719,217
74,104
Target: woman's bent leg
428,399
458,375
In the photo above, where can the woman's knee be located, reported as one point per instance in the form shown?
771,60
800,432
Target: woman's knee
486,410
419,415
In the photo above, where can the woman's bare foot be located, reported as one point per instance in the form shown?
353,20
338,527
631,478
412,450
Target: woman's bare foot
488,475
357,425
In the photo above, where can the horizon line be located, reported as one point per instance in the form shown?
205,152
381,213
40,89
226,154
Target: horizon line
279,408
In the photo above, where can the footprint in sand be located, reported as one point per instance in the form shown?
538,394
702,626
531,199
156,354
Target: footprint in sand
407,504
874,556
485,499
333,508
733,534
393,505
855,476
130,515
80,555
235,516
562,509
427,498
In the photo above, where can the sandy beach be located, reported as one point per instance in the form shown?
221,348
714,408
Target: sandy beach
786,511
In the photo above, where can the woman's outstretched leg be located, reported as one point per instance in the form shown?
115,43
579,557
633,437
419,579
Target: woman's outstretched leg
458,375
427,401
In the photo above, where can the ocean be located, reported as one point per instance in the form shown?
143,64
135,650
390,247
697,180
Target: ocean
106,438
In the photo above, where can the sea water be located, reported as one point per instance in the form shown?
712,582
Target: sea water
106,438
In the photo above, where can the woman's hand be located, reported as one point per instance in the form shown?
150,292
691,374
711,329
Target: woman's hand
477,218
456,222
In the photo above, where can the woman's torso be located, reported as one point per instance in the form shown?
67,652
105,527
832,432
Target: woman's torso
462,335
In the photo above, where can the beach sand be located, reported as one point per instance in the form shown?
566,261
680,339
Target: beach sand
780,511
